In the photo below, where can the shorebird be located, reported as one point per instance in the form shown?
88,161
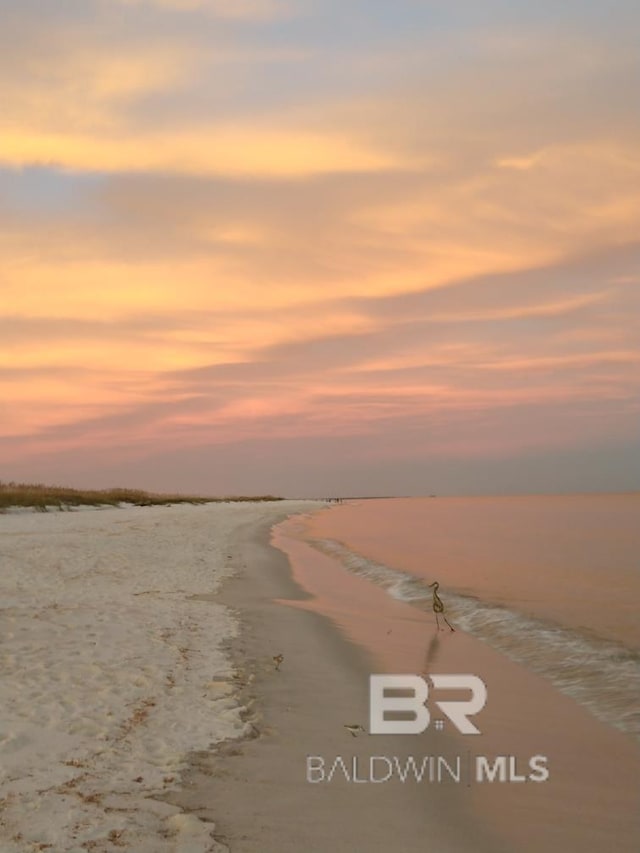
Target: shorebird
438,606
277,659
354,729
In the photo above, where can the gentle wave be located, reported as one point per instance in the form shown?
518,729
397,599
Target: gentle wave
601,675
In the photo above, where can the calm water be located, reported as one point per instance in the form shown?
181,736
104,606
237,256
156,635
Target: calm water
552,581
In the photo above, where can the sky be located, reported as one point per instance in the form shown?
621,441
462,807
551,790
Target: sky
317,248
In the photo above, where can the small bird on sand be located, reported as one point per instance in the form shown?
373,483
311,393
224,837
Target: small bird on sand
438,606
355,728
277,659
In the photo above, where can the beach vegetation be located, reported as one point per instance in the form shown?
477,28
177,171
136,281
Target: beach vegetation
42,497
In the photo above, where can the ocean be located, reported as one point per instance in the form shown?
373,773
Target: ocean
552,582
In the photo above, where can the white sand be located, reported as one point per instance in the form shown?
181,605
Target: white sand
112,671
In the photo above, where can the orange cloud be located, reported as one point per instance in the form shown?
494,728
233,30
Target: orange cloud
521,163
243,151
83,94
559,361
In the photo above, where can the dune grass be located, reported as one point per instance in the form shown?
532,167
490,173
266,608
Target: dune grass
42,497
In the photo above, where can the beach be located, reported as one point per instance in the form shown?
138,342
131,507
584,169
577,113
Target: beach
115,669
146,706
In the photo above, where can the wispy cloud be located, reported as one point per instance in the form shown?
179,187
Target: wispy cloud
240,151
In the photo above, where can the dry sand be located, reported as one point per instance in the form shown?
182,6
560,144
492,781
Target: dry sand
113,671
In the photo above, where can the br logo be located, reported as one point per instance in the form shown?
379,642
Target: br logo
397,703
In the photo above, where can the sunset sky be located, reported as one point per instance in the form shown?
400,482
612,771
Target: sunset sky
310,247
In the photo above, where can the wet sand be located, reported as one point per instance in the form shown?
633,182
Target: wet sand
257,791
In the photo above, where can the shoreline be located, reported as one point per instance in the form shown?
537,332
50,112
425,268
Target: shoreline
256,789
